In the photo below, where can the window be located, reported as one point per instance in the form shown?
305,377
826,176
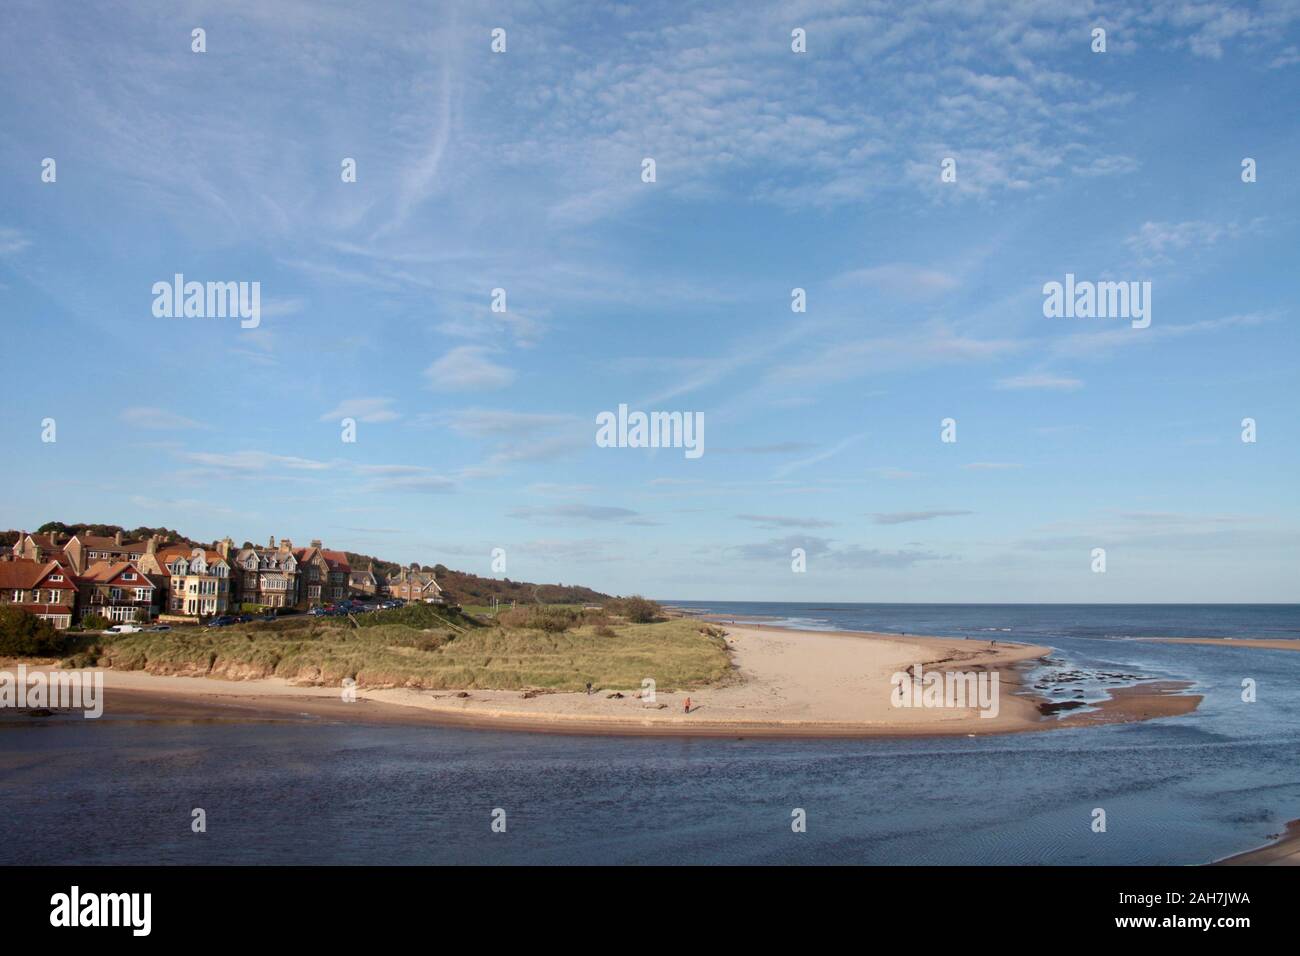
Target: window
115,593
18,597
142,594
128,576
56,577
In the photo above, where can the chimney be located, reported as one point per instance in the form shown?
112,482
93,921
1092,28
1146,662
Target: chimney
286,545
151,546
270,542
315,543
56,537
224,546
117,538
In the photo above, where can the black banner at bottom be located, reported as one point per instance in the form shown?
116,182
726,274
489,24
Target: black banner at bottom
299,905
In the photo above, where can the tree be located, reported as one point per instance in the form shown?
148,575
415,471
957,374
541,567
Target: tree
26,635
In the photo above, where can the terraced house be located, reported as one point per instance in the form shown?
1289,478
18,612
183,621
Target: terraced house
412,584
366,583
121,591
199,582
324,576
78,552
267,577
44,588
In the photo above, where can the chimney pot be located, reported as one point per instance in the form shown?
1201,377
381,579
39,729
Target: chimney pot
117,538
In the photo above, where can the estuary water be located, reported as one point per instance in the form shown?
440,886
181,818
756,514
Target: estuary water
1184,790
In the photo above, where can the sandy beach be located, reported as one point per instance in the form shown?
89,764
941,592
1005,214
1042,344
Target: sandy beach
1285,851
788,684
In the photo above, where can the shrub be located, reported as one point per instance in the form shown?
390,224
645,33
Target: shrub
94,622
552,620
418,616
26,635
636,609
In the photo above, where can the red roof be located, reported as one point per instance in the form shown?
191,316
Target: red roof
338,561
24,575
109,572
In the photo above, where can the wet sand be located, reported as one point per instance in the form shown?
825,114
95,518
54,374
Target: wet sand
1284,852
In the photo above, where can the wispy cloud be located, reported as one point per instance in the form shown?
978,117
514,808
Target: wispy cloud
467,369
580,512
12,241
372,410
1044,380
905,517
785,521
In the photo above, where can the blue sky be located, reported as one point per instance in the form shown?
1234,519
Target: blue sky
774,170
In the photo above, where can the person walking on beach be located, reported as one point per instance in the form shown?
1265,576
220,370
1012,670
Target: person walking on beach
588,688
688,706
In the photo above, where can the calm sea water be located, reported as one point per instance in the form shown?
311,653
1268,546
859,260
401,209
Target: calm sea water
1178,791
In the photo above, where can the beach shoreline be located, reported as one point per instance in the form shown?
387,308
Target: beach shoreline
789,684
1283,851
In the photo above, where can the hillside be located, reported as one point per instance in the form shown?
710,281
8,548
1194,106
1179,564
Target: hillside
465,588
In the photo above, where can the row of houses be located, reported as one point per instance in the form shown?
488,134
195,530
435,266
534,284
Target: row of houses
63,580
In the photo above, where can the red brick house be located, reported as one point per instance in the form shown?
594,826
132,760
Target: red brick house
412,584
46,589
120,591
323,576
77,552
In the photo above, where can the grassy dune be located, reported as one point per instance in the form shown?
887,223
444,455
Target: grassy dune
433,649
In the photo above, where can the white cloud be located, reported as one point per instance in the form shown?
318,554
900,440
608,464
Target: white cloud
372,410
467,369
12,241
1040,380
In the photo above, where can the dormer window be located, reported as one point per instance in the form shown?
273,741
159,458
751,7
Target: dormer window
128,576
56,577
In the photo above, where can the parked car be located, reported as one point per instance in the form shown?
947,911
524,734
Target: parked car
318,612
122,629
223,621
160,627
244,618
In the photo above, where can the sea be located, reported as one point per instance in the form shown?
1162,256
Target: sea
1177,791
